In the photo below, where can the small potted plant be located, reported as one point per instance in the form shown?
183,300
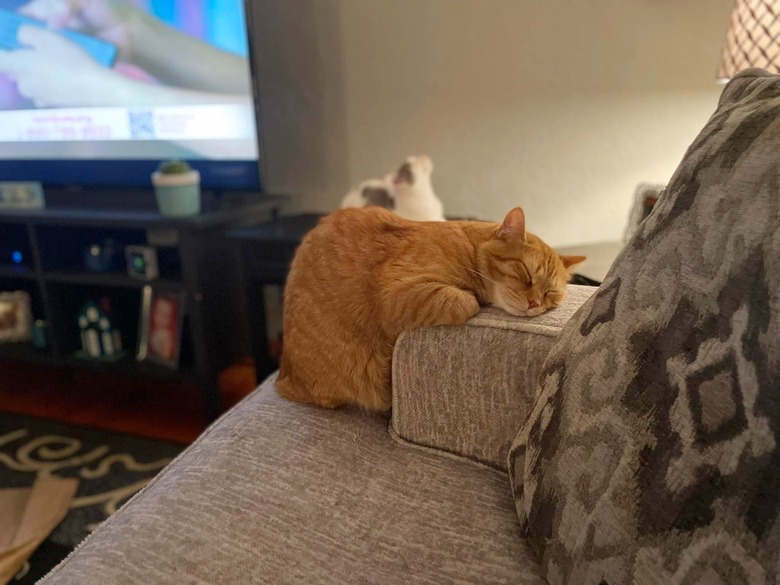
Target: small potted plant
177,188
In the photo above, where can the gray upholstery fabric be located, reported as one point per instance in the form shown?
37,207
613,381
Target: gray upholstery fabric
653,452
463,389
277,492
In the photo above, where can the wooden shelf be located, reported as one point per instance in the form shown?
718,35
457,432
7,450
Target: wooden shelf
25,352
129,366
21,272
112,279
227,216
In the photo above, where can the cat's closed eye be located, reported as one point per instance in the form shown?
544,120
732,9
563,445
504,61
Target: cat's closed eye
554,296
525,273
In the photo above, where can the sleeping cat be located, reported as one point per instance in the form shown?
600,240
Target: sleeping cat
363,276
413,190
371,193
408,192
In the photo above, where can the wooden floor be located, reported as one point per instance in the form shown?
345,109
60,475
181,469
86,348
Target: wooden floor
168,411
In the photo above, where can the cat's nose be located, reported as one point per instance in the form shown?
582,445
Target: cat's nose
532,304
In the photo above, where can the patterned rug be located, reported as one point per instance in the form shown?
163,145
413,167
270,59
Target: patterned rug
110,469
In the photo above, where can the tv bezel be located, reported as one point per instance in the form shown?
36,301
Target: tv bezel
217,175
214,174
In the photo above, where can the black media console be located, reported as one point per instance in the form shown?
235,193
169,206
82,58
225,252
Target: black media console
202,266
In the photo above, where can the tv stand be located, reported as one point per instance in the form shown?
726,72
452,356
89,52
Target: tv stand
205,271
141,199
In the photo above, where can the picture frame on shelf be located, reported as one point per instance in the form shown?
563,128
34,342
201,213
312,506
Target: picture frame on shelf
15,317
160,324
21,195
142,262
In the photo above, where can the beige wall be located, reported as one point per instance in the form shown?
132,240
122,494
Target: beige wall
561,106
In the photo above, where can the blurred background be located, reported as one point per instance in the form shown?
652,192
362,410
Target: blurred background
561,107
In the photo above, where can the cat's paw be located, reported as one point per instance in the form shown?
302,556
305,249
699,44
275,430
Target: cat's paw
464,306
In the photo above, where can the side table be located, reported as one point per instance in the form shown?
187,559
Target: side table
266,251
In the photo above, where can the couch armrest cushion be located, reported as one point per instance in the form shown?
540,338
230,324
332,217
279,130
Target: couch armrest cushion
465,389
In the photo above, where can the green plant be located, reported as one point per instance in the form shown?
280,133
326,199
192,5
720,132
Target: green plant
174,167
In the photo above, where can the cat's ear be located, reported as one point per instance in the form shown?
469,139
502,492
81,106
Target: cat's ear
513,226
569,261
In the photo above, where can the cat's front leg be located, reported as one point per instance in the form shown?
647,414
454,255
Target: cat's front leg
455,306
427,304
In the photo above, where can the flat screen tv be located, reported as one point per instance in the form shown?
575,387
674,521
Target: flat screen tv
98,92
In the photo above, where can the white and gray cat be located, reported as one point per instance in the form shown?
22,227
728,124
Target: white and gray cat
408,192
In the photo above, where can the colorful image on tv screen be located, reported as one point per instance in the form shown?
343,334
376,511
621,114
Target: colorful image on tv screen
124,79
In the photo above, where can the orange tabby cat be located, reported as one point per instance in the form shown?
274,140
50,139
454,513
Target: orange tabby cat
363,276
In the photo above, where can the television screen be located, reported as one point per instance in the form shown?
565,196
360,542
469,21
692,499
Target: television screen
99,91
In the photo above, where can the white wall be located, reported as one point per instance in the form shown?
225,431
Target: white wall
561,106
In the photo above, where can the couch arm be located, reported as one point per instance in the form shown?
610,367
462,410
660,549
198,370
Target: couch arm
464,389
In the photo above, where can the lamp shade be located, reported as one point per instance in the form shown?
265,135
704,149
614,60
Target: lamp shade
753,39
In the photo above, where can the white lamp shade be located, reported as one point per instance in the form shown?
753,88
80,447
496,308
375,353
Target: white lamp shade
753,38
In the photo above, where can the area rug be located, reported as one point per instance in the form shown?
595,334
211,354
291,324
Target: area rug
110,468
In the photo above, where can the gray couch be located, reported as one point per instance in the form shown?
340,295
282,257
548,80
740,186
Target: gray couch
630,436
277,492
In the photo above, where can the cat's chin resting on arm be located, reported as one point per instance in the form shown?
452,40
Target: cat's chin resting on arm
363,276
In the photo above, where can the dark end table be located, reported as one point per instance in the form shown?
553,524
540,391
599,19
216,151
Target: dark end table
266,251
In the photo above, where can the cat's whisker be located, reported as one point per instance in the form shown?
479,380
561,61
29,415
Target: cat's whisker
482,274
487,278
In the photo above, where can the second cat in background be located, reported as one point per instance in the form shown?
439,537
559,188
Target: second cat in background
408,192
